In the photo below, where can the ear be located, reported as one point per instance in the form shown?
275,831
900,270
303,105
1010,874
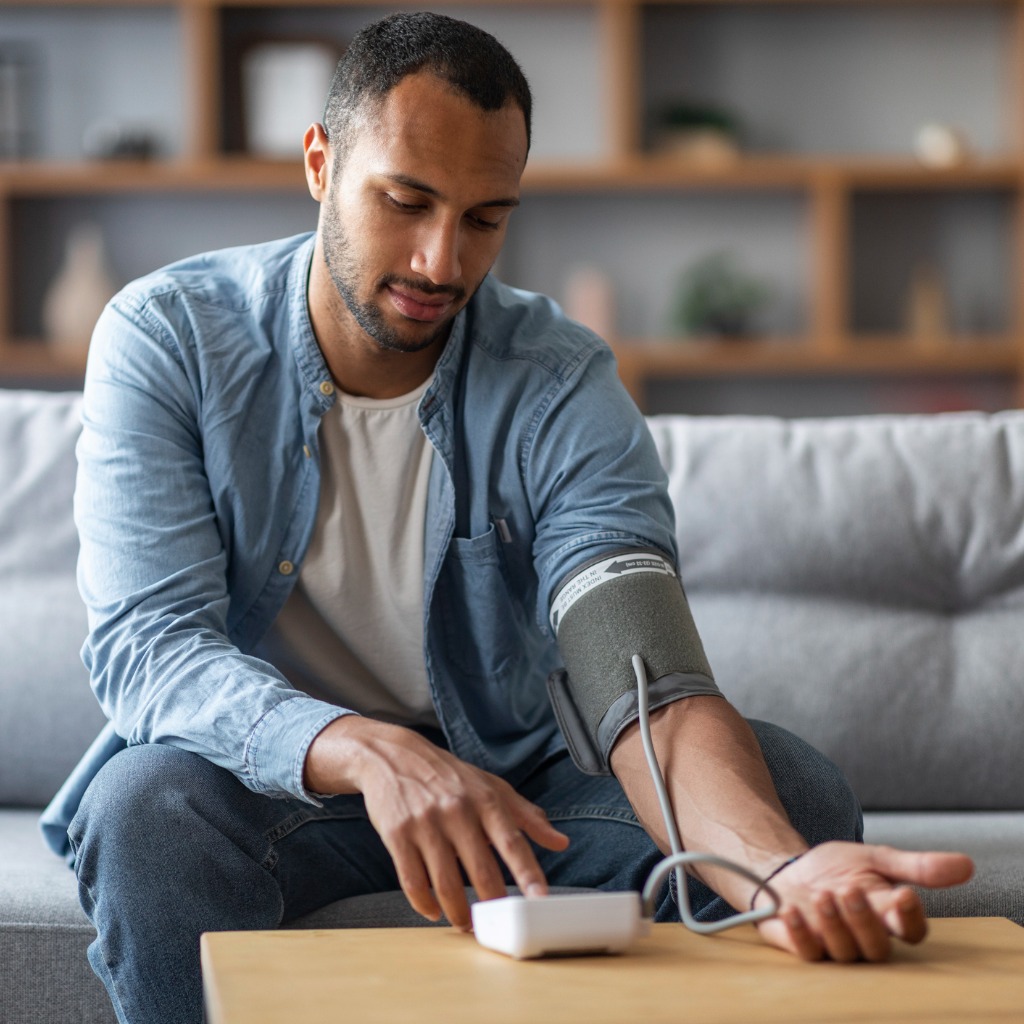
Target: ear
317,159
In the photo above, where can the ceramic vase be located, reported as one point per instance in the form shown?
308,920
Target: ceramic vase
78,293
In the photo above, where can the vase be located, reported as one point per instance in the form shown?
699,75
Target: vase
78,293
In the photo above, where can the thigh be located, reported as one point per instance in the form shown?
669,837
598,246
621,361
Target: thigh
160,818
608,848
323,854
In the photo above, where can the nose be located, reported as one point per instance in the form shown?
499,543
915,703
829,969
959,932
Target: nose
436,255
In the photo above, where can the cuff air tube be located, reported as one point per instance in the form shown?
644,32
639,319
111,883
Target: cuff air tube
626,604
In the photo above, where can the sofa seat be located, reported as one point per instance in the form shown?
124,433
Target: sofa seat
43,933
994,839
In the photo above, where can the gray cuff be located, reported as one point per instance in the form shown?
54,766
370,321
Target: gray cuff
626,710
594,759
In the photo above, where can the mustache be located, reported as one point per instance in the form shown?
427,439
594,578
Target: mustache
424,287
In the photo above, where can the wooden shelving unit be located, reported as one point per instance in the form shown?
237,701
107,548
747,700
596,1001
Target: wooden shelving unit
830,186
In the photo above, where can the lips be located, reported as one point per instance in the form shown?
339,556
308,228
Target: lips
426,308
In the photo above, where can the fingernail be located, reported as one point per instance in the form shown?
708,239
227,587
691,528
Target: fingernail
535,891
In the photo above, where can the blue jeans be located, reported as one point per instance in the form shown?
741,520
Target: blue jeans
168,845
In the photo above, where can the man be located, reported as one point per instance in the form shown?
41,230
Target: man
330,490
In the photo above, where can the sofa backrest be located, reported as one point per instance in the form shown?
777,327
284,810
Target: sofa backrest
48,715
861,582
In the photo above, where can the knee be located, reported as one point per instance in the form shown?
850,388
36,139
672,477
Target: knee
817,797
144,798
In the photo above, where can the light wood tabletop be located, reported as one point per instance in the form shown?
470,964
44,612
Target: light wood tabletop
968,970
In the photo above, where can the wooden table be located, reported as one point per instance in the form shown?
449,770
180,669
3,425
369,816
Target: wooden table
968,970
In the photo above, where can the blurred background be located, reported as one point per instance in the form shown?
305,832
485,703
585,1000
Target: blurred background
798,209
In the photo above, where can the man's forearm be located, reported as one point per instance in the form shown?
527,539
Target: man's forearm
721,791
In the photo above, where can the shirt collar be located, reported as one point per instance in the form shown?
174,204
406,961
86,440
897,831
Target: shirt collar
310,360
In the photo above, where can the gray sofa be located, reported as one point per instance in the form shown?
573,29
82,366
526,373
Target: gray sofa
860,581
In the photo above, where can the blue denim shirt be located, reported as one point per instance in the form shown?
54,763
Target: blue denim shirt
197,494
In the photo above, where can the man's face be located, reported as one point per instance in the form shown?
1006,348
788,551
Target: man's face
417,209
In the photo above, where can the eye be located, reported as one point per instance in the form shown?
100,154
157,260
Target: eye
399,205
483,223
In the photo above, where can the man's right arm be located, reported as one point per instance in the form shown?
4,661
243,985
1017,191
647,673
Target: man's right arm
153,567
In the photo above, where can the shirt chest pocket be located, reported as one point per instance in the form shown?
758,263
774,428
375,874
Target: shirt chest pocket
481,622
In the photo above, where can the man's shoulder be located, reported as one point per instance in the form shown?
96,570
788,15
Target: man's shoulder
233,279
513,324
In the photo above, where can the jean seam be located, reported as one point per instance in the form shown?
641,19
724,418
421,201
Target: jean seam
594,814
296,820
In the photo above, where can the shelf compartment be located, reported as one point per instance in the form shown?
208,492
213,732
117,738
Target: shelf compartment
138,46
949,253
835,78
142,231
559,45
644,242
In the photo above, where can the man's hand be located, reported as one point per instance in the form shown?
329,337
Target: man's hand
845,901
433,813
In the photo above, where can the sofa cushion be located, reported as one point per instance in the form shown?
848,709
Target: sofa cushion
861,582
43,934
49,713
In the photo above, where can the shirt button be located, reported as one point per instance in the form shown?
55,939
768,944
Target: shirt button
286,568
326,388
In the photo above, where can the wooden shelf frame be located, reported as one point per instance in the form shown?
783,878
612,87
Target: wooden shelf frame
829,185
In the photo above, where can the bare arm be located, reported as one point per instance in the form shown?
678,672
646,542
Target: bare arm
842,900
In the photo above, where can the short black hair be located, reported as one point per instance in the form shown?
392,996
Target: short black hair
385,52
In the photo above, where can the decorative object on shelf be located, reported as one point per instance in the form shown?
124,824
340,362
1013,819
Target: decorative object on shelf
590,299
78,293
715,298
284,84
927,307
703,134
112,140
941,145
18,96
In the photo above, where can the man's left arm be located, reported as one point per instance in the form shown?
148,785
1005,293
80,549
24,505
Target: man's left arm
844,901
599,488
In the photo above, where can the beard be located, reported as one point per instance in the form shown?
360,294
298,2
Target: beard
344,270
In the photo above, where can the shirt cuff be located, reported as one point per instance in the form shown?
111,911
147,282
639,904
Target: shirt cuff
276,753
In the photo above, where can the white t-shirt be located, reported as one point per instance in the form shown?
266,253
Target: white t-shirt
352,629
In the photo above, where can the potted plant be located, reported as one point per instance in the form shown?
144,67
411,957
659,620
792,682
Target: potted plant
715,298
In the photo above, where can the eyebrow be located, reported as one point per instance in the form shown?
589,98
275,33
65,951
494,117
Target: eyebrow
421,186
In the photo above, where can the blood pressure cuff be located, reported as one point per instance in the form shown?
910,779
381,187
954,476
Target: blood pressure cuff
621,605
